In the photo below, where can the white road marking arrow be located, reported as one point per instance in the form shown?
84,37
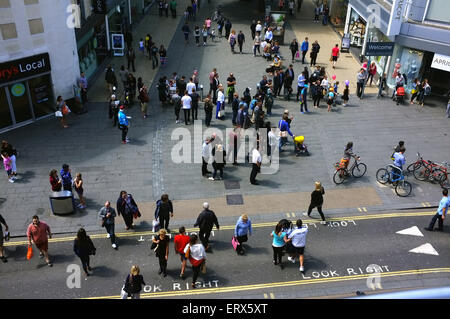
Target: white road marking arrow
425,249
414,231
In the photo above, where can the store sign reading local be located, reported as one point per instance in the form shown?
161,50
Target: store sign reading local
18,69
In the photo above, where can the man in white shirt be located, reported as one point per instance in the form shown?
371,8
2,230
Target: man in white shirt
206,153
269,35
273,142
190,85
186,101
298,240
256,165
220,100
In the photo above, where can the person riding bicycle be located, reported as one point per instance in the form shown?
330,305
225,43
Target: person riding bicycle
397,149
348,154
399,161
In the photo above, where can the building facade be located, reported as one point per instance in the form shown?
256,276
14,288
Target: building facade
420,30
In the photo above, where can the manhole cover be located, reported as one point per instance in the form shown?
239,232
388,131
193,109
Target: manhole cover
235,200
232,184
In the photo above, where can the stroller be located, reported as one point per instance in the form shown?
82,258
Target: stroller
300,147
400,95
212,34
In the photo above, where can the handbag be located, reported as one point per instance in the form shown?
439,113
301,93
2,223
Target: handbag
203,267
283,134
29,252
234,242
221,113
188,252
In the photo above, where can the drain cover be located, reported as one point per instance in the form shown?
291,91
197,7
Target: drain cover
235,200
232,185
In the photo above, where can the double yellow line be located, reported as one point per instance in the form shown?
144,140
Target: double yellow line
259,225
208,291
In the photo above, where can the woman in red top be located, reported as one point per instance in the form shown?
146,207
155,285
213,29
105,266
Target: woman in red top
372,72
55,181
180,242
335,55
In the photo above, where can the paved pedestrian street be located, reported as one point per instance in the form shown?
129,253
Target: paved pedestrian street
359,249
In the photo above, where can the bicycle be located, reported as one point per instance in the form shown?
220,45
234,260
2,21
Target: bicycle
387,175
433,172
357,169
416,165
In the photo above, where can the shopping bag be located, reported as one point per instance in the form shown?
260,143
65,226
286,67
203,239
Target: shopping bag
297,55
235,243
29,252
203,269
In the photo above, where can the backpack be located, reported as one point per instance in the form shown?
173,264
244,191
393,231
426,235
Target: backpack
158,206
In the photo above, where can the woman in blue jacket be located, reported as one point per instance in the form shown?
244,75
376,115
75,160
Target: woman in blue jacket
242,229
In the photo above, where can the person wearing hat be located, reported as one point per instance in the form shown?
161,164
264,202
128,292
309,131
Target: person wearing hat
317,201
123,124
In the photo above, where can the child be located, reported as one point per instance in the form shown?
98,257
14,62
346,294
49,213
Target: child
197,35
141,46
8,168
299,146
330,99
212,34
336,86
78,185
345,96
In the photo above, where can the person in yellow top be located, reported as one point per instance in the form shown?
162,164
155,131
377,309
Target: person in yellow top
299,146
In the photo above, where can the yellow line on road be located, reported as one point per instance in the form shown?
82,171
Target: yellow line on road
281,284
272,296
268,224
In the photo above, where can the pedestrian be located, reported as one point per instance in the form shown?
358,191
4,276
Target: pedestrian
173,8
123,124
280,5
176,99
231,82
335,55
317,201
278,243
148,44
133,284
123,74
186,101
253,29
325,12
38,232
207,23
235,107
232,40
220,102
206,154
179,243
330,99
196,253
64,110
83,84
316,13
113,109
415,90
107,215
442,210
268,36
195,98
186,32
131,56
2,238
205,221
205,34
131,84
128,38
316,93
83,247
212,74
256,43
242,230
425,91
372,71
143,99
297,238
304,49
360,80
142,46
284,126
78,185
128,208
197,35
228,26
304,99
163,211
345,95
55,182
161,242
291,7
220,25
166,8
190,85
216,84
66,177
256,166
154,55
382,85
161,7
162,55
301,81
181,84
7,163
219,162
110,78
208,106
314,52
241,40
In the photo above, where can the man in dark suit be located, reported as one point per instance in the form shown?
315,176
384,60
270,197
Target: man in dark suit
205,221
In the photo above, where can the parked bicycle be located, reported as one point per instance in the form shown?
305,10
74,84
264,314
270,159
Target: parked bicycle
393,175
357,170
416,165
433,172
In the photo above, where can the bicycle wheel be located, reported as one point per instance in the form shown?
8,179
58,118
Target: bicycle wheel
421,174
412,167
442,178
382,176
403,188
339,176
359,170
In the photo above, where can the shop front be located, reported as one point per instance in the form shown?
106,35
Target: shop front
408,62
375,35
26,91
92,49
356,29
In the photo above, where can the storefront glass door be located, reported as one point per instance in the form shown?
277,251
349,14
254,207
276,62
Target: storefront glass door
5,114
41,95
21,104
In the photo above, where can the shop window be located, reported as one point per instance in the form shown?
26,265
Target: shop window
5,4
9,31
28,2
438,11
357,29
36,26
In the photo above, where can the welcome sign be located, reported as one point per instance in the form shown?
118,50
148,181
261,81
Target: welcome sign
18,69
379,48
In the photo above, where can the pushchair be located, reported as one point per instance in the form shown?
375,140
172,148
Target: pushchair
400,95
300,147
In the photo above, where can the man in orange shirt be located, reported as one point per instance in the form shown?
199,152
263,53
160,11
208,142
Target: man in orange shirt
180,242
37,232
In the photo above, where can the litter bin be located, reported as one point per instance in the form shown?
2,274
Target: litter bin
62,203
